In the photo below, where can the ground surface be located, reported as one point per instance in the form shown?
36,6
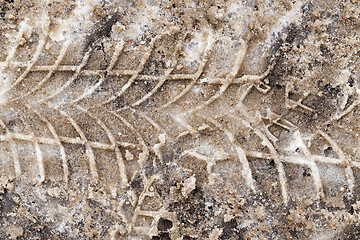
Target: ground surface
179,119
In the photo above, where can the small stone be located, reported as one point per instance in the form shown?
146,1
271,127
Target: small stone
189,186
216,15
14,231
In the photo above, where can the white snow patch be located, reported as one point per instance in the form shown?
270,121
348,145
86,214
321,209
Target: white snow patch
140,23
343,77
4,87
77,22
296,141
292,16
195,49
